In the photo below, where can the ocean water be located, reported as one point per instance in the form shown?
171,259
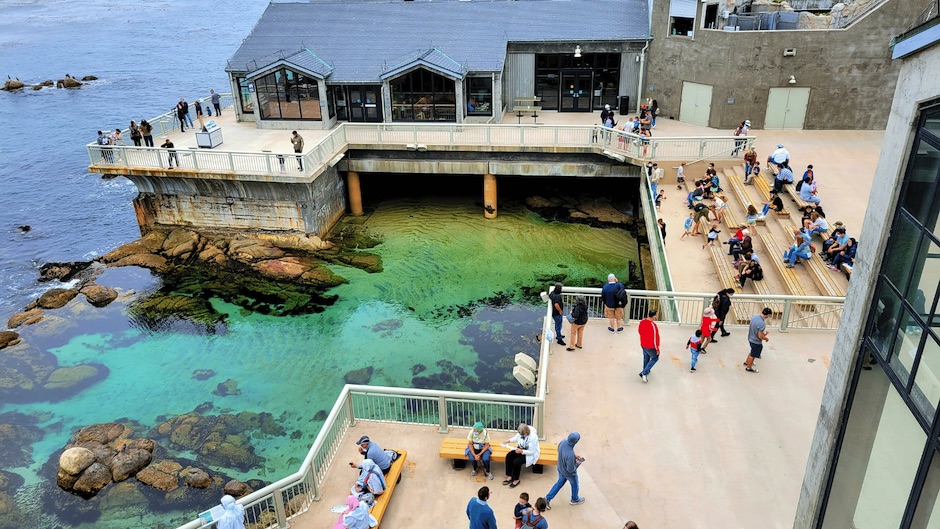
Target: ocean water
445,312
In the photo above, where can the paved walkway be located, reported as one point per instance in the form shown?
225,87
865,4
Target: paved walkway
717,449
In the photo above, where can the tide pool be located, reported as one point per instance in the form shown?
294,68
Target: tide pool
448,311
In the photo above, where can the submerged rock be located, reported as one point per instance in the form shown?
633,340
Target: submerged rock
56,298
89,78
203,374
68,377
358,376
229,387
196,477
221,440
237,489
155,310
18,432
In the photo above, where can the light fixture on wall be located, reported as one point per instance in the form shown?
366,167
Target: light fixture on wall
577,51
792,80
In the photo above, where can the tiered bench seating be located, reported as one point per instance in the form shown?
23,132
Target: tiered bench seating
453,448
775,255
733,182
822,276
726,273
789,188
763,187
391,480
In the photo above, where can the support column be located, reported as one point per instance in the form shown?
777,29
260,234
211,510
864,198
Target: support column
489,196
355,192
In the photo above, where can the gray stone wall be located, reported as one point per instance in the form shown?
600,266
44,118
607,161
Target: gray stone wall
306,207
849,71
919,82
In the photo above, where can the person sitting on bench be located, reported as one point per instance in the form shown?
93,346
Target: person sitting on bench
846,256
373,451
773,204
371,482
526,452
478,449
780,157
784,176
800,249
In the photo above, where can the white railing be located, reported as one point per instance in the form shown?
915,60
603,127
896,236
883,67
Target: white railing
685,308
412,136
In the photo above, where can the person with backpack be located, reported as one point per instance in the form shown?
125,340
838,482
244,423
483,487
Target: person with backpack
615,298
722,305
532,517
578,318
694,345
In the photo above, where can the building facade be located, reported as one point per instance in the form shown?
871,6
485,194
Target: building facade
875,460
312,64
782,79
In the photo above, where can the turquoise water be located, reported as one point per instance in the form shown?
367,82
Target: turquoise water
441,258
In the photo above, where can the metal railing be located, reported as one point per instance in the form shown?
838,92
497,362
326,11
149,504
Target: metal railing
410,136
686,308
657,245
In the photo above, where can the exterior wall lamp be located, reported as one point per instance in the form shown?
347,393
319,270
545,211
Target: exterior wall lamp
792,80
577,51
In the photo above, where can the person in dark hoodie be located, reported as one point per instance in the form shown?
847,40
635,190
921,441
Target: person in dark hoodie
568,463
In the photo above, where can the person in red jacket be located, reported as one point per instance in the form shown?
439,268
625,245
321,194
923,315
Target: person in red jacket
649,342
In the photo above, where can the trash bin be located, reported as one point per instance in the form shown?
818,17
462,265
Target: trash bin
624,105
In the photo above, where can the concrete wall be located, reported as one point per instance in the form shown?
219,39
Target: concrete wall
919,82
849,71
308,207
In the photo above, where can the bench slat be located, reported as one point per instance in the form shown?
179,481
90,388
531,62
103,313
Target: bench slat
453,448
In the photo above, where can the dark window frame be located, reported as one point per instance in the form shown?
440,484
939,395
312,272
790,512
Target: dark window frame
288,86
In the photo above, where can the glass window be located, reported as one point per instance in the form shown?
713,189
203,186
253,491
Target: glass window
884,318
479,96
286,94
330,102
932,121
927,515
925,279
246,101
342,110
546,88
906,344
881,451
902,247
681,26
926,390
919,184
422,95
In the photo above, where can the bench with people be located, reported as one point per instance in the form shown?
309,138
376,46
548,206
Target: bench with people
478,448
771,199
369,496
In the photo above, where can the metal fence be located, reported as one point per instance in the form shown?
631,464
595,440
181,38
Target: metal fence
686,308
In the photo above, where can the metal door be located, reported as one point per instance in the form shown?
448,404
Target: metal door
786,108
696,104
576,89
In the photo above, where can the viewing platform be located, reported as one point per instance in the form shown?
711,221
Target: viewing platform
720,447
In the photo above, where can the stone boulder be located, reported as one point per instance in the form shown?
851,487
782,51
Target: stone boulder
56,298
92,480
124,250
158,479
12,84
99,295
75,460
8,338
212,253
180,242
89,78
253,249
153,241
219,440
286,268
196,477
68,377
68,82
358,376
103,433
28,317
129,462
143,260
237,489
48,82
62,271
229,387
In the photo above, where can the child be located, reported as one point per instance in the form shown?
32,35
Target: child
659,198
680,175
694,347
712,235
751,218
709,328
687,226
520,507
662,227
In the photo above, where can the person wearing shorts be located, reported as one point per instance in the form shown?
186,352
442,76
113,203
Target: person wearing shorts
756,336
612,309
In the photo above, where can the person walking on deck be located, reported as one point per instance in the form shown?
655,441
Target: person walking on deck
649,342
568,463
756,335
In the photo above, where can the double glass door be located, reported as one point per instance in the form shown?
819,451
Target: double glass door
360,103
576,90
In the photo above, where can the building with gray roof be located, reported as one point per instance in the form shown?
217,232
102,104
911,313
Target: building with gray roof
311,64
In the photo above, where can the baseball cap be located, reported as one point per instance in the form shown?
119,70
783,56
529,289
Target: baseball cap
611,276
779,145
363,439
747,122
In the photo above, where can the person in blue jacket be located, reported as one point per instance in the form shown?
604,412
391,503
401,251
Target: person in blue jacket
480,514
568,463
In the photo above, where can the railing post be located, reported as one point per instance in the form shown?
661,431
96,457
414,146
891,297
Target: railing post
521,136
701,148
785,319
489,139
626,311
653,151
312,482
231,162
414,136
442,414
195,155
350,411
555,141
279,510
540,417
267,161
452,130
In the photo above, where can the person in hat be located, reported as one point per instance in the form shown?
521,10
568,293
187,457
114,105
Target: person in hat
371,450
750,161
478,449
779,157
606,113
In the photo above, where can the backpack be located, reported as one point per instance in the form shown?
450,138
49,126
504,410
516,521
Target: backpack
716,302
531,522
799,185
621,295
757,273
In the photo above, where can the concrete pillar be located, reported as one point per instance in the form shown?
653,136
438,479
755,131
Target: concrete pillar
489,196
355,192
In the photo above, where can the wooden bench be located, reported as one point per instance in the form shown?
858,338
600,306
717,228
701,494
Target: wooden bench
391,480
453,448
520,110
763,187
775,254
738,188
822,276
847,270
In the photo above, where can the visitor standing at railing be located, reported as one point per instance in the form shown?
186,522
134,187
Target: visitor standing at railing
186,116
135,133
146,130
558,309
181,116
723,302
613,294
198,105
298,142
578,319
216,102
172,156
233,514
104,140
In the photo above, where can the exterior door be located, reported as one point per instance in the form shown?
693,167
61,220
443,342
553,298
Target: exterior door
576,89
786,108
696,104
365,104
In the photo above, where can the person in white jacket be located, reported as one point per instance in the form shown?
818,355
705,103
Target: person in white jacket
526,452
